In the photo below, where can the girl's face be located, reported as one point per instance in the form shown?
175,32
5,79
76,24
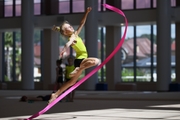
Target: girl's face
70,61
68,29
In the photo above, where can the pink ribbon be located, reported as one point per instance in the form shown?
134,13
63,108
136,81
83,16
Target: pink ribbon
93,71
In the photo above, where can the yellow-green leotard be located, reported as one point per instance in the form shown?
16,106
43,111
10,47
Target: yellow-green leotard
80,49
69,69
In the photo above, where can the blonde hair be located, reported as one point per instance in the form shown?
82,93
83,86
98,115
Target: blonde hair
60,28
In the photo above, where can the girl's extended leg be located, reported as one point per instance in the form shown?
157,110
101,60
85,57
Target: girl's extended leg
65,86
86,63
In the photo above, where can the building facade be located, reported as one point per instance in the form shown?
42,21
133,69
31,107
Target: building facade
152,31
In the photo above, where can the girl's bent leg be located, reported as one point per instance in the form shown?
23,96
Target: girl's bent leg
89,62
86,63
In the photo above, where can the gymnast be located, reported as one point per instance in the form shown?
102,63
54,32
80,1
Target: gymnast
82,61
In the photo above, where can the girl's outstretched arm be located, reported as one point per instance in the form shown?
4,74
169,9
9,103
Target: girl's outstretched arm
83,21
68,44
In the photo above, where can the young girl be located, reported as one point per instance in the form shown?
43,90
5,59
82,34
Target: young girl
59,74
82,61
69,68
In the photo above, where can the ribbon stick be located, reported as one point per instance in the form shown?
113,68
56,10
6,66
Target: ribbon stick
93,71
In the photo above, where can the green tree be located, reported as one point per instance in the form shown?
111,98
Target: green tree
8,39
8,44
18,36
37,36
149,37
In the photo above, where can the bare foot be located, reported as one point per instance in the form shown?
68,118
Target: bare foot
53,97
73,73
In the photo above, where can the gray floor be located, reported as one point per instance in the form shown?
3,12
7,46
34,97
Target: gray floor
96,105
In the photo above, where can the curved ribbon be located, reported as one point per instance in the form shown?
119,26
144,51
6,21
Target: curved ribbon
93,71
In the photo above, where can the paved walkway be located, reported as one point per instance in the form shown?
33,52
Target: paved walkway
95,105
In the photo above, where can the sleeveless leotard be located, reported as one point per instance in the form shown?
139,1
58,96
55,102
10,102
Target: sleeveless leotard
69,69
80,49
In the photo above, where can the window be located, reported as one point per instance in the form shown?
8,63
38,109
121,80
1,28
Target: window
78,6
64,6
8,8
143,4
127,4
37,7
8,48
173,3
18,7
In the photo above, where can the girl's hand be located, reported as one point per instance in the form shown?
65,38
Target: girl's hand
61,54
89,9
56,28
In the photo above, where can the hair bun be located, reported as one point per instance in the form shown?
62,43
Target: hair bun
58,28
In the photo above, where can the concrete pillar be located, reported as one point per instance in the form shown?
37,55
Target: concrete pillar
1,57
177,47
50,53
177,52
2,8
50,7
177,3
115,3
163,45
113,67
91,40
27,31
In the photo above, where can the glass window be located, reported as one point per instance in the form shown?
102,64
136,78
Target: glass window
155,53
143,53
143,31
8,55
173,33
101,52
173,62
78,6
128,54
155,33
173,50
37,55
8,8
18,7
100,5
173,3
18,55
127,4
37,7
64,6
143,4
154,3
143,74
129,33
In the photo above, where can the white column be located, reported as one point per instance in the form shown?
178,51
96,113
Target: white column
113,67
27,31
163,45
50,51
